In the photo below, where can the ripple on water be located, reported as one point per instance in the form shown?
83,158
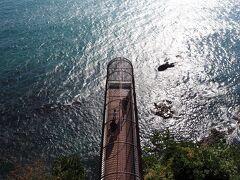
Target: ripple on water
53,68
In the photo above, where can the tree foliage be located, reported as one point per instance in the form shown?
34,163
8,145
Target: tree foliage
68,168
63,168
165,158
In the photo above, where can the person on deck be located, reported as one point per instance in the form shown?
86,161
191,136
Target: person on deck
113,124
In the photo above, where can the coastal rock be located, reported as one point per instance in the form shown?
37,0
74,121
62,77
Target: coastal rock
178,56
165,66
163,109
234,138
234,134
236,116
214,137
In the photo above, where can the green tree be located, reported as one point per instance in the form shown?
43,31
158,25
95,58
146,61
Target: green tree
68,168
165,158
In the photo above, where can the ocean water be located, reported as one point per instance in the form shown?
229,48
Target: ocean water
53,58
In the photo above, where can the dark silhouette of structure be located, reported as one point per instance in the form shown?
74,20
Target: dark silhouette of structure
165,66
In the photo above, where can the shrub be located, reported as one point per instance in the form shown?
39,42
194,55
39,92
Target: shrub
68,168
165,158
63,168
35,171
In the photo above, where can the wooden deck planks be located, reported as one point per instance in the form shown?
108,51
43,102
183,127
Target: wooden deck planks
119,146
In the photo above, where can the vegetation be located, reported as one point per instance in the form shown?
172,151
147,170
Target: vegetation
63,168
164,158
68,168
5,168
35,171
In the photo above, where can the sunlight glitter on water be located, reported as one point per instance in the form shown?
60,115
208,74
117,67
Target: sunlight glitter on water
53,68
186,32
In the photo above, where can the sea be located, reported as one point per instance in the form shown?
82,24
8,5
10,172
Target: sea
53,60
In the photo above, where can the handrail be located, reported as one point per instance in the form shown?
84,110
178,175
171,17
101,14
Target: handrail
124,120
119,142
121,59
120,172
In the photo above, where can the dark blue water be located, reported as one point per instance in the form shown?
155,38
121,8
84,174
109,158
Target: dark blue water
53,57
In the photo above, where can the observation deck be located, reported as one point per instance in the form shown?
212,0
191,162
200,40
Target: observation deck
120,148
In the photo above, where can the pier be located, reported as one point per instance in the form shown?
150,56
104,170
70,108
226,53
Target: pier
120,147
